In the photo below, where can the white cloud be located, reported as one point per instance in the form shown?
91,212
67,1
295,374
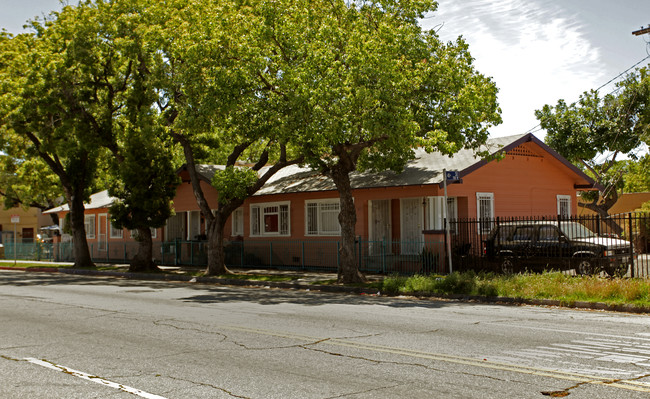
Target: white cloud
535,54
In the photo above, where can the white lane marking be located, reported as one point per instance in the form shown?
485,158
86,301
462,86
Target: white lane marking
92,378
556,330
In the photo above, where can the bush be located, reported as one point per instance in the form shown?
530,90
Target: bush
458,283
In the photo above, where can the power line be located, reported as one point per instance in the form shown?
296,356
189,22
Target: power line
535,128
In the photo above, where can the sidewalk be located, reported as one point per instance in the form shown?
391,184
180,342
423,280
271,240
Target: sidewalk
307,281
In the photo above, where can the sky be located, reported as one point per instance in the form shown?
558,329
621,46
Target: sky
536,51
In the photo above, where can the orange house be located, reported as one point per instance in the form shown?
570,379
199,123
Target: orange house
298,204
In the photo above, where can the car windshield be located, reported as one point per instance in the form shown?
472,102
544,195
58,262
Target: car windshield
576,230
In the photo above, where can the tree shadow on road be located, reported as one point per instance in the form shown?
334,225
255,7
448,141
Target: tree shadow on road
207,294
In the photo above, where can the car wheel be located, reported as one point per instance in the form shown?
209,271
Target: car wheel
617,271
585,267
508,266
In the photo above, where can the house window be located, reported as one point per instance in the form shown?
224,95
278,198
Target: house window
115,232
134,233
322,217
89,226
485,211
238,222
435,215
564,206
270,219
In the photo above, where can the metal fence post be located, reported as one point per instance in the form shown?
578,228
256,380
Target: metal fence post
383,256
360,253
338,255
241,253
302,258
630,238
270,253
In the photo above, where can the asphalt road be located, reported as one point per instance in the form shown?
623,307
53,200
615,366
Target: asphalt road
65,336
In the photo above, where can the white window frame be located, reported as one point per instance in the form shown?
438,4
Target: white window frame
320,206
566,199
154,232
258,213
434,214
115,232
90,233
485,226
237,220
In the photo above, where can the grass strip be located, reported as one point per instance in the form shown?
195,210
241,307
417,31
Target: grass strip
551,285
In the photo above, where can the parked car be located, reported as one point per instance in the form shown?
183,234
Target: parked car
552,245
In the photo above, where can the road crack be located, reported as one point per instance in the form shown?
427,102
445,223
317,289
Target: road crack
566,392
204,384
364,391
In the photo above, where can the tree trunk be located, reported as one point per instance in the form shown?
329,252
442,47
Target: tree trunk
348,271
602,209
143,260
216,252
82,256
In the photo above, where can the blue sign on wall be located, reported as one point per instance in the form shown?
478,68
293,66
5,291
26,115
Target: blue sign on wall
452,175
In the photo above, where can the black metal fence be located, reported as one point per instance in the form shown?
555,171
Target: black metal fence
387,257
616,245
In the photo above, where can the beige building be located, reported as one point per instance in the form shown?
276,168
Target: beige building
28,227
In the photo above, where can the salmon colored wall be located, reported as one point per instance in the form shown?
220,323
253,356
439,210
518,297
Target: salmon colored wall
522,186
126,236
185,200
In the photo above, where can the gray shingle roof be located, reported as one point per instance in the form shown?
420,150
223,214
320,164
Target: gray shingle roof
424,169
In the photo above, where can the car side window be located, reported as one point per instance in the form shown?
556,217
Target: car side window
504,233
524,233
549,233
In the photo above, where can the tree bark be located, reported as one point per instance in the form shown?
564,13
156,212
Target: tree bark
602,209
82,256
216,251
143,260
348,271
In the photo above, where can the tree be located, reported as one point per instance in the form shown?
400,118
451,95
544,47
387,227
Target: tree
145,183
218,105
595,128
637,176
87,91
46,113
144,179
29,183
366,85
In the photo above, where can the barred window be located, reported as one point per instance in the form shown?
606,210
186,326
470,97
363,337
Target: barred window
322,217
270,219
564,205
485,211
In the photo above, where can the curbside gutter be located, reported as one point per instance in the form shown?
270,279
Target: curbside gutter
625,308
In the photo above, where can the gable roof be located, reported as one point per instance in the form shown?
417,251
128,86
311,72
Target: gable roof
97,201
425,169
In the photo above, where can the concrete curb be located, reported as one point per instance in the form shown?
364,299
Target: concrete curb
625,308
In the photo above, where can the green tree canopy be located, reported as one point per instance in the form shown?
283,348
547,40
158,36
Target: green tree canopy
595,130
364,85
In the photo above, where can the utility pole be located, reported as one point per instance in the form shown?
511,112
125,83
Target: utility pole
641,31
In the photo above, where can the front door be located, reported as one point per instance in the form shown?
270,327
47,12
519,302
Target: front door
102,224
412,225
379,226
